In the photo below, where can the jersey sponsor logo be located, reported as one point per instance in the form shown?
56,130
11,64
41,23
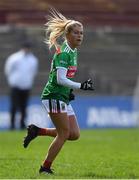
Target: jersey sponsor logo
71,71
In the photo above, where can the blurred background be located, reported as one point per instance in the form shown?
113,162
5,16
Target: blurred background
109,54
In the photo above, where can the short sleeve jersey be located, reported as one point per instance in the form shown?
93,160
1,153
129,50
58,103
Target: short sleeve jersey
64,57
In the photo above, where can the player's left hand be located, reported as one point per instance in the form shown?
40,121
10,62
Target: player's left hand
87,85
71,95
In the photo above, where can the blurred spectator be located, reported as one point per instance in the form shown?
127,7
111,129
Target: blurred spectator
20,69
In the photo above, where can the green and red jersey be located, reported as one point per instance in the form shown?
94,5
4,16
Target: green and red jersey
64,57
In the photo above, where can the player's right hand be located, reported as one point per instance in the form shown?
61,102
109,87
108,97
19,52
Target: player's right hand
71,95
87,85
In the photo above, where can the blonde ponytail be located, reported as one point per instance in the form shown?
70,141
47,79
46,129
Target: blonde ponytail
56,27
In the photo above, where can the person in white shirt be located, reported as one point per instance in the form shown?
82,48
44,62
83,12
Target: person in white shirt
21,68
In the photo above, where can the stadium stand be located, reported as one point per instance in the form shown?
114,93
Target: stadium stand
96,12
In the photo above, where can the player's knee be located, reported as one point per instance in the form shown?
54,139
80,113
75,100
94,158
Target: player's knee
74,135
64,134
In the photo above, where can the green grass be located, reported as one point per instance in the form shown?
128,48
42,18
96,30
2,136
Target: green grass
102,153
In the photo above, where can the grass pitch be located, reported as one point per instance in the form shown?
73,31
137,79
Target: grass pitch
100,153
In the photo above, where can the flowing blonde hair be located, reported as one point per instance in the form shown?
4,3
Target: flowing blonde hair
56,27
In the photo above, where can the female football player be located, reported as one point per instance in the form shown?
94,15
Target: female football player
57,93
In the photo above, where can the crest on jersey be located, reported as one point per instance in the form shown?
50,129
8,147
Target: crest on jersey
71,71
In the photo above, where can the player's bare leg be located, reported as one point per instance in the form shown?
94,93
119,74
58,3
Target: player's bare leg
61,122
34,131
52,132
74,128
